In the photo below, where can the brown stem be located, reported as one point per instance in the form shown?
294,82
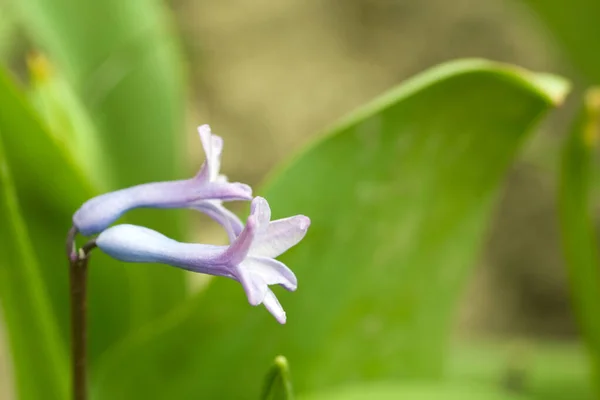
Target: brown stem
78,269
78,326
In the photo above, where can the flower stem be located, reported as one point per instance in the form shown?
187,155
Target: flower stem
78,269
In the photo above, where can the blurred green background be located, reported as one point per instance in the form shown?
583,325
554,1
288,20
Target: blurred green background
126,83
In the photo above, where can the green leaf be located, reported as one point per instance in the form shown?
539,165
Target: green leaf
40,364
123,61
50,186
576,28
544,371
8,31
415,391
576,207
399,194
278,383
513,370
66,119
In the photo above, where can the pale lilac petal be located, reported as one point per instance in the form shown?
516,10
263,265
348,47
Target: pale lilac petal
100,212
279,236
228,220
213,147
238,250
132,243
260,209
221,191
253,285
257,220
274,307
271,272
256,271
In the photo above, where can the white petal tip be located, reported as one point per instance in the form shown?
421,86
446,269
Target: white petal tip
290,286
303,222
258,205
261,210
204,129
282,319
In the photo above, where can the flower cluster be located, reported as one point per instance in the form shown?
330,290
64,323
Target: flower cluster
250,257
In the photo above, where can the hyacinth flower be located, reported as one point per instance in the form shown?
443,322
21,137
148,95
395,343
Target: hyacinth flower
204,192
250,259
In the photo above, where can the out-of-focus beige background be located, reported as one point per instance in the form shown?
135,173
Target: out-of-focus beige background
269,75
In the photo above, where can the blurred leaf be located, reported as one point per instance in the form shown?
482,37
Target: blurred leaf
43,166
415,391
399,194
576,205
278,383
66,119
575,26
40,363
7,30
544,371
123,62
50,186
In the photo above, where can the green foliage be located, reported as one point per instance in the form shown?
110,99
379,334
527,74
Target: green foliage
576,27
541,371
123,62
7,30
66,119
278,383
50,186
39,360
577,203
418,391
399,194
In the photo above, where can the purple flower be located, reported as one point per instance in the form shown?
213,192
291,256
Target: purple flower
205,192
250,259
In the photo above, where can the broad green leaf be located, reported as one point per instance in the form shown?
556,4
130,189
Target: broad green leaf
278,383
124,63
544,371
415,391
399,194
575,26
50,186
576,207
39,360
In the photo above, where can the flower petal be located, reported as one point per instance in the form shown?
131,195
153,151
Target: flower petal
271,272
253,285
261,210
215,210
221,191
213,147
274,307
257,220
279,236
238,250
132,243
